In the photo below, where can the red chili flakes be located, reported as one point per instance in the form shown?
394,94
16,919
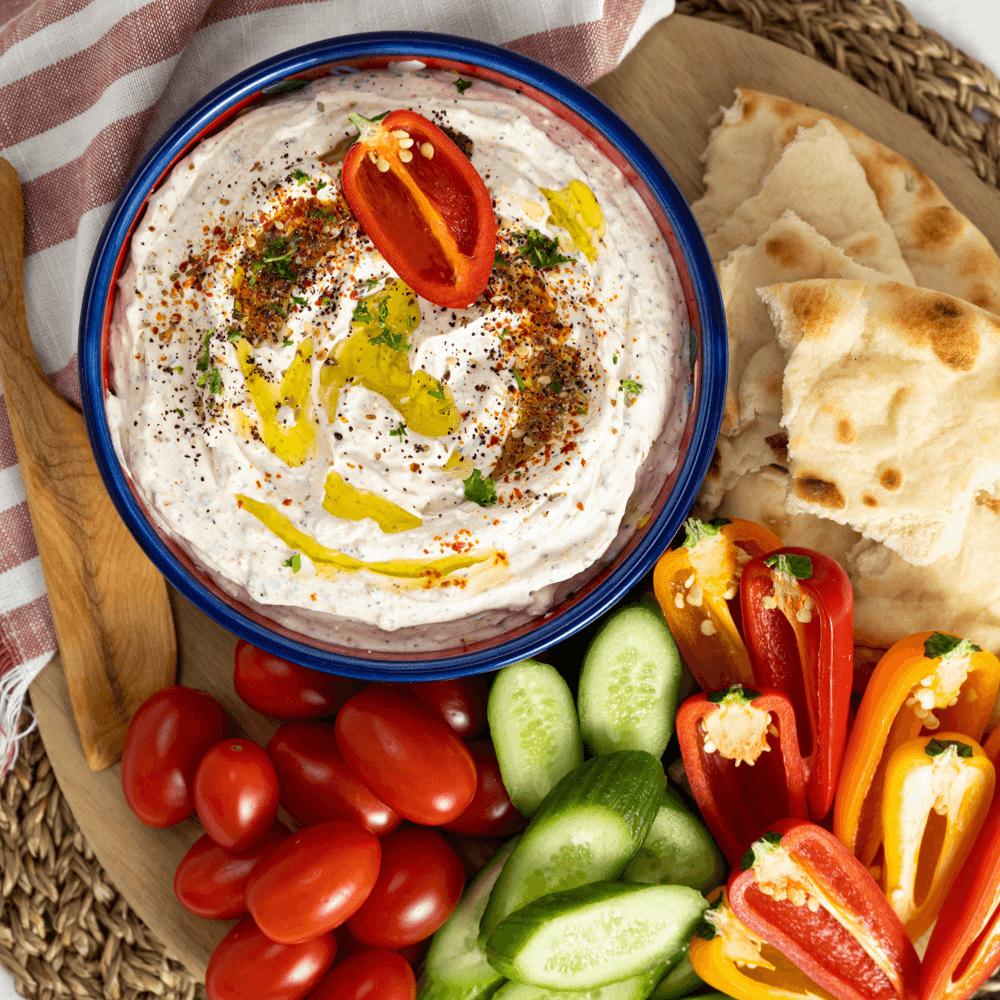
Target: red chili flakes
579,505
217,231
287,502
239,503
312,597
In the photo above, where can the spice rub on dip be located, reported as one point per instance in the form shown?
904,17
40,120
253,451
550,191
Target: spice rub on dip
352,460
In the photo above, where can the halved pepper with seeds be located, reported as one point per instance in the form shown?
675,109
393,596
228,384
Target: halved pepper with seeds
805,894
798,620
927,681
730,957
717,733
697,586
964,949
938,790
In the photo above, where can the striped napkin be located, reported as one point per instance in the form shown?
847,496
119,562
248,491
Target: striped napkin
87,86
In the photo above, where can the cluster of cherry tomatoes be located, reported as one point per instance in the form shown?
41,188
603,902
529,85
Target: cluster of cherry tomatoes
365,875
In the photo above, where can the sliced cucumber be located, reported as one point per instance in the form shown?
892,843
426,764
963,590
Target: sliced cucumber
586,830
678,982
594,934
635,988
535,730
456,966
629,682
678,849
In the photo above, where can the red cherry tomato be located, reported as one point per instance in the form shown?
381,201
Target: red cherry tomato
348,944
247,966
429,213
408,756
313,881
236,793
475,852
211,882
419,884
165,742
372,974
457,702
317,784
490,813
284,690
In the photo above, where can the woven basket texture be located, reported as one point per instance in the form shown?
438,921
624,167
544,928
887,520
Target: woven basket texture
64,929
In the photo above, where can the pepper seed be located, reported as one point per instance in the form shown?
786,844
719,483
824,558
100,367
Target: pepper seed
383,164
405,155
401,133
405,143
426,149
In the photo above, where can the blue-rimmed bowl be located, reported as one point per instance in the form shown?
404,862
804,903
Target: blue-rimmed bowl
707,370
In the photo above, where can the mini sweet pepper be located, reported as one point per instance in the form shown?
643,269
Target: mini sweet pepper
927,681
697,585
798,620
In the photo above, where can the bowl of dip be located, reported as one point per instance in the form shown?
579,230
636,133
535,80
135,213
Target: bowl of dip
347,475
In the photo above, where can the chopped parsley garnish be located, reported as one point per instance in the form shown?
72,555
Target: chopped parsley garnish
205,357
299,300
614,358
556,387
480,489
300,176
518,379
798,567
504,334
276,257
320,185
213,379
233,334
399,432
179,369
287,342
437,393
295,562
541,251
630,386
499,259
180,412
462,85
397,341
372,282
361,313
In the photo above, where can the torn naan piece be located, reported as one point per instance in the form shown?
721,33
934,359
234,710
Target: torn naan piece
818,178
942,248
789,250
890,403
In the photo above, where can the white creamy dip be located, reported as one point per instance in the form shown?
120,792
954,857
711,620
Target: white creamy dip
274,459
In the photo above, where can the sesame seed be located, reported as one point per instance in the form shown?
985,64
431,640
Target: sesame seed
279,224
250,242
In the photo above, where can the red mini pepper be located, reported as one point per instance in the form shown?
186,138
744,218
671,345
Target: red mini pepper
804,893
424,206
720,731
798,620
964,948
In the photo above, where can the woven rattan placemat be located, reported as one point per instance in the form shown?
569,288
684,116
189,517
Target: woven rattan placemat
64,929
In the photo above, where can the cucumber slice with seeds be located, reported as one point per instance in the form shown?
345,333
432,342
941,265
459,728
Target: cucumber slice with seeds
635,988
594,935
629,683
586,830
535,730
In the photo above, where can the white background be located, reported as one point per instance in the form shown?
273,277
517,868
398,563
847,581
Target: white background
971,25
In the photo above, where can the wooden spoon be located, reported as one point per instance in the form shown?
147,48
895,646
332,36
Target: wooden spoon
109,603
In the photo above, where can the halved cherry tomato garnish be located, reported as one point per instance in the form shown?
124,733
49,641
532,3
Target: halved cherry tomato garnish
424,206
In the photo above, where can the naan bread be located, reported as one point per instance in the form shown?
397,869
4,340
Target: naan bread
818,179
942,248
789,250
890,403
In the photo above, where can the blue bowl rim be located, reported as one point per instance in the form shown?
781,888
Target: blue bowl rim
414,45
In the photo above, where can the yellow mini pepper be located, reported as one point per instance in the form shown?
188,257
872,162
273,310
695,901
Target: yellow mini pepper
938,791
735,961
694,584
929,681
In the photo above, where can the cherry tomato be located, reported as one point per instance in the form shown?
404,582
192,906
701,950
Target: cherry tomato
475,852
457,702
165,742
211,882
490,813
372,974
313,881
284,690
419,884
236,793
408,756
317,784
247,966
348,944
425,207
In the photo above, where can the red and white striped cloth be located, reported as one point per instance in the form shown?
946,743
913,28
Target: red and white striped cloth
86,86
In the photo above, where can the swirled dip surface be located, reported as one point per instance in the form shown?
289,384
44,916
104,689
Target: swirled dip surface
304,424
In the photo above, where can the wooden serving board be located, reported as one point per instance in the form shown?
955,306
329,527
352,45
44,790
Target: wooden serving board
667,89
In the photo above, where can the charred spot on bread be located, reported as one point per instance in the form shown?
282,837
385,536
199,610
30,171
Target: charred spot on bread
937,227
869,501
818,491
846,434
891,479
786,250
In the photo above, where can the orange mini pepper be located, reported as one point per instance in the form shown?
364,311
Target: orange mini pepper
697,585
938,790
928,681
734,960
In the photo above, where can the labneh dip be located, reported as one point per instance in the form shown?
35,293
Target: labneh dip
357,463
